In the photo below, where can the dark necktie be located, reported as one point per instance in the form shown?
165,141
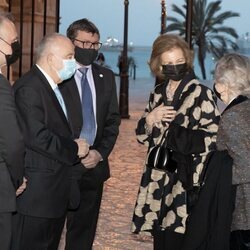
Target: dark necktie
89,126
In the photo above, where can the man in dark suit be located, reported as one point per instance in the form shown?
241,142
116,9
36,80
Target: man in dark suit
50,149
11,141
91,100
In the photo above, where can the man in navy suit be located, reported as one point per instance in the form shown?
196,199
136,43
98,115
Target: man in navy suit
91,101
11,141
51,150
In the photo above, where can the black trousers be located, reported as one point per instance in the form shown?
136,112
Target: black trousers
167,240
33,233
82,222
240,240
5,230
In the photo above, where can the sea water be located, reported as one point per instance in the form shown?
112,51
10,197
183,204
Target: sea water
141,57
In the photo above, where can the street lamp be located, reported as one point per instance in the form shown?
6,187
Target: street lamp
163,28
189,18
124,82
163,17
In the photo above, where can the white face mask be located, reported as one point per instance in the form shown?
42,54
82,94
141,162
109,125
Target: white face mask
68,70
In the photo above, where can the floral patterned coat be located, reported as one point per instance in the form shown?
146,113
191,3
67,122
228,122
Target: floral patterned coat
162,199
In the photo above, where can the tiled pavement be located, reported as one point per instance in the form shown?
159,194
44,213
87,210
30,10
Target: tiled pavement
126,163
120,191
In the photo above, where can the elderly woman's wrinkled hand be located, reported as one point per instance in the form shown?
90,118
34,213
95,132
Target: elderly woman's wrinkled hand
160,114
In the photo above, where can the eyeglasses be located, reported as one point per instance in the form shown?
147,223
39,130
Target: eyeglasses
89,45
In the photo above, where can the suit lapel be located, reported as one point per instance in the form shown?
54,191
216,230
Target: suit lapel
99,88
73,104
75,93
52,94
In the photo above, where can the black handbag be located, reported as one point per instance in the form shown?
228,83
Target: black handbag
161,157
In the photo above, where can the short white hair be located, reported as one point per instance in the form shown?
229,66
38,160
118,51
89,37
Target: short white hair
5,17
47,44
233,70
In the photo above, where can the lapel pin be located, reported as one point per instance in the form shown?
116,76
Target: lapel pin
101,75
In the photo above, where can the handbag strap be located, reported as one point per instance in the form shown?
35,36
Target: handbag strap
163,138
176,102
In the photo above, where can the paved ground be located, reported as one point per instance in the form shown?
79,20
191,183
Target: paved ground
120,191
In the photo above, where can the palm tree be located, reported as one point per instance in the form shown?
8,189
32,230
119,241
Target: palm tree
208,33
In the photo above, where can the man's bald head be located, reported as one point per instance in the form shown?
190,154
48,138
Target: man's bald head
51,52
5,17
50,44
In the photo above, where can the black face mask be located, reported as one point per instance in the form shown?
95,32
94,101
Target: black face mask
216,92
16,52
174,72
85,56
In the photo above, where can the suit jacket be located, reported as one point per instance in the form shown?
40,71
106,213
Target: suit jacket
11,148
234,135
107,118
50,149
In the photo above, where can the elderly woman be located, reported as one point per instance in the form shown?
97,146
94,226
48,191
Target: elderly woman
181,114
232,85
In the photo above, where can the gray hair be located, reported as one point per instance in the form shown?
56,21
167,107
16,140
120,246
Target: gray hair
5,17
47,44
233,70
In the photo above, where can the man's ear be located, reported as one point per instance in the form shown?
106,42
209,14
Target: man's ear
50,59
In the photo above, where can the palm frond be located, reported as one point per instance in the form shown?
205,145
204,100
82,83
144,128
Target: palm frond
218,41
208,31
178,10
223,16
211,10
199,12
173,19
217,52
179,27
227,30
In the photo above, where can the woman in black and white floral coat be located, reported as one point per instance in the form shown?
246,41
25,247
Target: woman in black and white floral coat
186,109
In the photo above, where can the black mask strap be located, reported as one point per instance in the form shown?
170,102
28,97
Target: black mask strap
216,92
